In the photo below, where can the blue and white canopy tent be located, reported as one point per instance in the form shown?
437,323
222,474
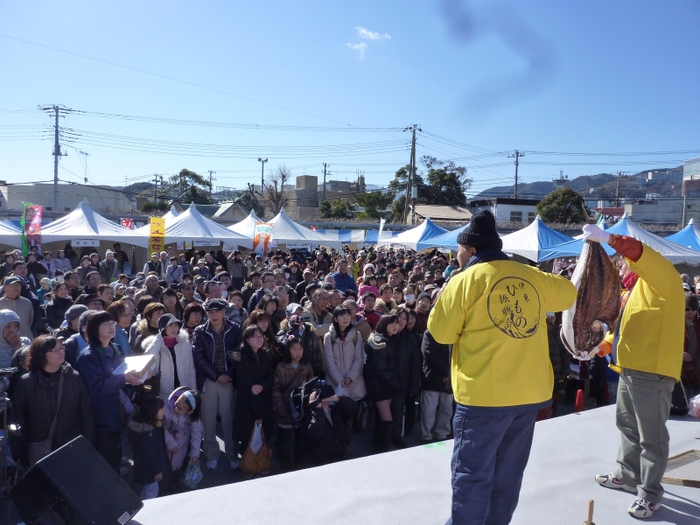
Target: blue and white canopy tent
688,236
675,253
372,236
447,240
345,236
410,238
533,240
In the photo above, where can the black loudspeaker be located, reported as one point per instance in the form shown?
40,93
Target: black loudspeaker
74,485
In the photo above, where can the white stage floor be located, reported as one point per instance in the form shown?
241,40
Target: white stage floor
412,486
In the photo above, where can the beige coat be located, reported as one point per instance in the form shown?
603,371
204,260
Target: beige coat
345,359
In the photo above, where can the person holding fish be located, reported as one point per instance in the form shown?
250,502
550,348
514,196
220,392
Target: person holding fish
493,312
647,349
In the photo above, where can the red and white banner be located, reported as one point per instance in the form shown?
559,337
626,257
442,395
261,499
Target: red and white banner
128,223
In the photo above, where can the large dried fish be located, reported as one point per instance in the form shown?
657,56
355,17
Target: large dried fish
597,303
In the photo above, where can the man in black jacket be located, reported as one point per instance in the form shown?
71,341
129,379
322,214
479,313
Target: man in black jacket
212,343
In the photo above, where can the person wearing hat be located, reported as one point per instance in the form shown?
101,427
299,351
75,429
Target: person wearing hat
237,269
11,339
211,343
75,343
153,265
71,326
109,268
173,353
12,300
493,313
307,277
44,288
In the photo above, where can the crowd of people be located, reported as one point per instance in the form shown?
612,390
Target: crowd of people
232,337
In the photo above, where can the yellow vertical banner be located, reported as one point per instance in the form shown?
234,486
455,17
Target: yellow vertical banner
157,237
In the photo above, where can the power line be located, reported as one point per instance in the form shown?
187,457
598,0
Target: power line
172,79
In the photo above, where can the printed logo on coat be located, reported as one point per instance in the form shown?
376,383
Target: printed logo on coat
514,307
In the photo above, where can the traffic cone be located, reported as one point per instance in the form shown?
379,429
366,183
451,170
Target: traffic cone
580,404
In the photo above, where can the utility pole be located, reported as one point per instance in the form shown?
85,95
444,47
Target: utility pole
210,184
162,187
617,191
262,177
517,156
155,187
410,199
324,179
57,154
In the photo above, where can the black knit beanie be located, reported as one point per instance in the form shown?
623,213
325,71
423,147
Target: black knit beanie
481,232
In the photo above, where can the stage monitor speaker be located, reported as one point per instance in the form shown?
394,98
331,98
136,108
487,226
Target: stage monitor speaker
74,485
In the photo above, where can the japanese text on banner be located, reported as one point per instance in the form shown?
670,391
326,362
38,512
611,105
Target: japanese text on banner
157,237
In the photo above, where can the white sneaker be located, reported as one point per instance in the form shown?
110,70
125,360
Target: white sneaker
611,482
211,465
642,508
235,464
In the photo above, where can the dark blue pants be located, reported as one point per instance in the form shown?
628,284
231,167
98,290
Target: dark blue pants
491,450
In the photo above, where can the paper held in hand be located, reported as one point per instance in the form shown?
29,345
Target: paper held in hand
138,364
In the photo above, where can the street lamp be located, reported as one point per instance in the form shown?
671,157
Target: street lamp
262,177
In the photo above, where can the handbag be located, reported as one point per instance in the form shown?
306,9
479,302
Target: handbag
252,462
40,449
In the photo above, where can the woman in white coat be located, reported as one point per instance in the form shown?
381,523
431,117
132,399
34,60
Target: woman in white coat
173,354
344,356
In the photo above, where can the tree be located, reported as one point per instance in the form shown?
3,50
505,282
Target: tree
374,203
252,203
190,187
398,207
274,188
562,206
161,206
339,208
447,182
398,185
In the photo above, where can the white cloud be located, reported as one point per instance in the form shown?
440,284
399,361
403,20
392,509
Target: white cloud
370,35
360,48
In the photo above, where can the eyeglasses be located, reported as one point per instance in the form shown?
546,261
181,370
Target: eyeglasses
690,310
256,336
59,346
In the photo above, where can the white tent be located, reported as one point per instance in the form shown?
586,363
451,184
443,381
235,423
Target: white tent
411,238
9,235
285,230
533,240
85,223
191,225
246,227
169,218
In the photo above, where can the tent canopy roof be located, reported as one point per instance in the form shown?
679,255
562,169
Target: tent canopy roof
675,253
533,240
85,223
191,225
411,238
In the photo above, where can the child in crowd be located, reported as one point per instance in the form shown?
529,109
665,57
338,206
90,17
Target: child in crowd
182,427
148,443
291,373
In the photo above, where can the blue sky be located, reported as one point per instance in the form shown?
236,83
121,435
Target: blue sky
303,83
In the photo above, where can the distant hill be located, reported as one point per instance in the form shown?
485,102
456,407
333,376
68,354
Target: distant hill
133,190
664,182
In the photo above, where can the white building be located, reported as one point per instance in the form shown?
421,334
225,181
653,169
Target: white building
508,210
103,199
